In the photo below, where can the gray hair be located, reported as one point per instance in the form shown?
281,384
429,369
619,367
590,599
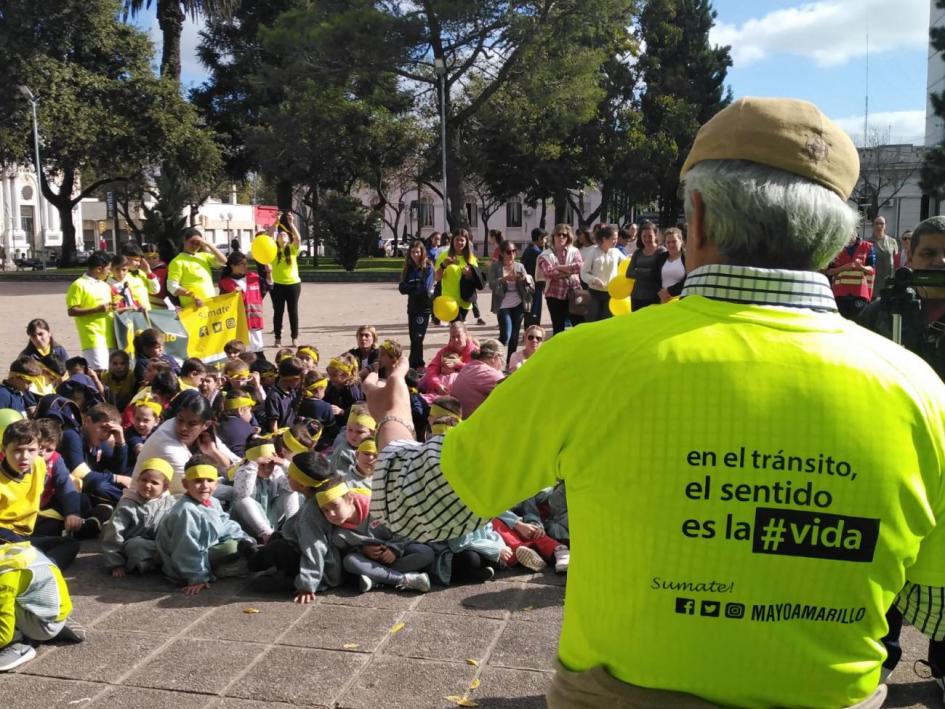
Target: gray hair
928,227
769,218
489,349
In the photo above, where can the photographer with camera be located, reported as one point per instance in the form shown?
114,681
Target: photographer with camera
922,301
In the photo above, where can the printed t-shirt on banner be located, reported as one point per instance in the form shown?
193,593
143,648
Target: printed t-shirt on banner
747,523
285,272
95,329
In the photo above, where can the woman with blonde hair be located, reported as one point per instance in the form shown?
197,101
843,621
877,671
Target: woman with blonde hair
560,263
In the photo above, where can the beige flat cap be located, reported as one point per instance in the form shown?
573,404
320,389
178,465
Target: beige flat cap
785,133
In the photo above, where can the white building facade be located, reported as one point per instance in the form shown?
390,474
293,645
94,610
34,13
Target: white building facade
31,226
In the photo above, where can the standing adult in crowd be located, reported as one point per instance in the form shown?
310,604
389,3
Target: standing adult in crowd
560,264
765,191
643,268
452,266
887,250
190,273
584,243
286,284
902,259
416,282
599,268
530,262
512,291
851,273
671,266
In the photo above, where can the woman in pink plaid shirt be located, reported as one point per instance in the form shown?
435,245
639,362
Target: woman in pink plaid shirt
561,265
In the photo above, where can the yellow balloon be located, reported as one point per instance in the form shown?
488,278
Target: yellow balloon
619,306
445,308
623,266
264,249
620,287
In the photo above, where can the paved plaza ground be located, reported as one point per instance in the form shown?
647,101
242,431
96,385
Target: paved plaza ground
149,646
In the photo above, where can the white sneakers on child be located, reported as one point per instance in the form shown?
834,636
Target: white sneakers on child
562,559
14,655
530,559
364,583
415,582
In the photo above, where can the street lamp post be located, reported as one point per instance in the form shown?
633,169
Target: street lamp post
229,236
439,67
40,201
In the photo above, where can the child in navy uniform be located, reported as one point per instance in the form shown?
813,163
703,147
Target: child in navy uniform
282,398
235,425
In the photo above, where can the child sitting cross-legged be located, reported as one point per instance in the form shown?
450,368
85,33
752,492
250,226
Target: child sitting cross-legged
34,605
197,539
372,553
360,427
299,552
262,495
526,537
128,538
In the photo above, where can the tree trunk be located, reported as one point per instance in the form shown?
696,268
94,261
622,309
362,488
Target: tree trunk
544,215
560,198
454,178
170,18
63,204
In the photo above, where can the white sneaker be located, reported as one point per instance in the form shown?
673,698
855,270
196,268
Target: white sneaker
530,559
562,559
415,582
14,655
365,583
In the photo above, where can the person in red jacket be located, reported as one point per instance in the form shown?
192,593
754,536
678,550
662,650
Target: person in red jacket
236,276
851,276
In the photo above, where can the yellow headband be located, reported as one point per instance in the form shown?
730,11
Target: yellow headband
365,420
293,443
368,446
201,472
265,450
320,384
296,473
238,403
341,365
32,379
156,406
389,346
242,376
440,429
159,465
285,355
328,496
436,411
309,352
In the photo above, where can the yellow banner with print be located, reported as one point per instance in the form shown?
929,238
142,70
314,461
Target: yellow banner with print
211,326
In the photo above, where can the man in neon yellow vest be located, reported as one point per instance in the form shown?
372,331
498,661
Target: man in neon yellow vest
190,273
741,546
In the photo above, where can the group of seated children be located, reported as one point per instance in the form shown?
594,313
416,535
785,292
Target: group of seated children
201,473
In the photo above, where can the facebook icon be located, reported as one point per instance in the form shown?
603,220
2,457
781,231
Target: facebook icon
686,606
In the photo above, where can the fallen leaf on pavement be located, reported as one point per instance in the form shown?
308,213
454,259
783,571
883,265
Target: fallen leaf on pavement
397,628
249,611
470,661
350,646
475,683
463,701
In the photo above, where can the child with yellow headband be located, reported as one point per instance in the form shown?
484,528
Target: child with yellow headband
388,353
372,553
308,356
313,407
364,458
197,540
129,537
300,553
261,492
344,386
360,427
15,390
235,423
145,417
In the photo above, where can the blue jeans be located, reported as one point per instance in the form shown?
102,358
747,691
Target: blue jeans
536,301
510,322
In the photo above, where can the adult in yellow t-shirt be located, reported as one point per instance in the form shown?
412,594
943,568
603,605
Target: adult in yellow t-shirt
452,265
286,284
89,301
745,555
190,273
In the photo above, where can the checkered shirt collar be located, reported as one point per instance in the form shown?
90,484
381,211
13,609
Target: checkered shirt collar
762,286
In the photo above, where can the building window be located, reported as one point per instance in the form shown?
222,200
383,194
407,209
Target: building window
210,235
28,220
472,213
513,213
425,212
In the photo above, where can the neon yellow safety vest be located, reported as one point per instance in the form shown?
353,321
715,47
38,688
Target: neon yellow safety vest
736,532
